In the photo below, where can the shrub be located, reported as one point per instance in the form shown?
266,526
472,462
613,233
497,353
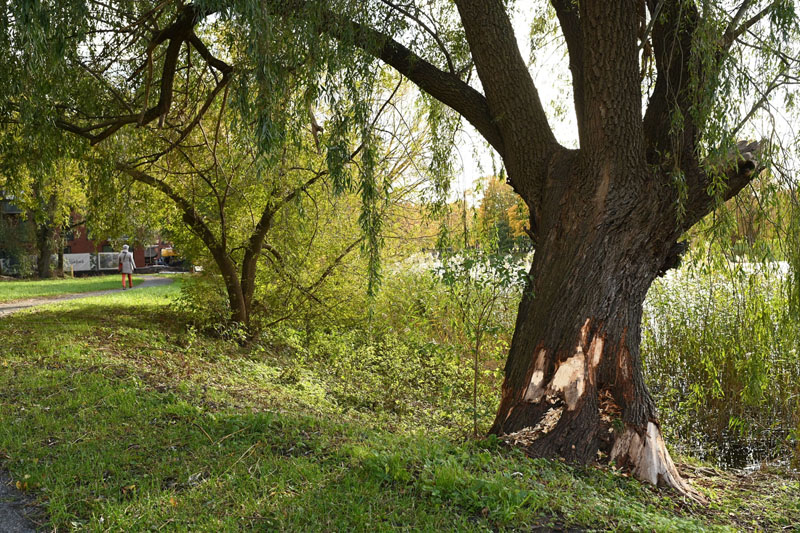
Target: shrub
422,383
205,305
720,351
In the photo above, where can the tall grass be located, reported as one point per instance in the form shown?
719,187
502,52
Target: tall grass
720,345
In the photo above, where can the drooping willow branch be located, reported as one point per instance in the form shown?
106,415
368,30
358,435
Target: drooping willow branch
180,32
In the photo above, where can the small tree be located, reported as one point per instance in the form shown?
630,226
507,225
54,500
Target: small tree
478,281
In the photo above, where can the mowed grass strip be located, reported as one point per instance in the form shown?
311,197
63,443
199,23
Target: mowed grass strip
11,291
116,417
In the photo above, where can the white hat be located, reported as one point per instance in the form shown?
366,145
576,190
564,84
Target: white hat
124,247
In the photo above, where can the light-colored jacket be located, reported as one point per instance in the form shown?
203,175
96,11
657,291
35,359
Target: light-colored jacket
126,258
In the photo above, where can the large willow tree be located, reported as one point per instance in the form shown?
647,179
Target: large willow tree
661,89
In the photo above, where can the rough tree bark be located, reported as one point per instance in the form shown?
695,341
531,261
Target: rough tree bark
574,375
46,234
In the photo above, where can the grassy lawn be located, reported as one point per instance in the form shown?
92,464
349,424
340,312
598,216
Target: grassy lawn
22,290
116,417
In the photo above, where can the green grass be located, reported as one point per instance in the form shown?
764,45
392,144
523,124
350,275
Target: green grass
22,290
115,417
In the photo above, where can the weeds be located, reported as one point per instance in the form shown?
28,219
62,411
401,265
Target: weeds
722,362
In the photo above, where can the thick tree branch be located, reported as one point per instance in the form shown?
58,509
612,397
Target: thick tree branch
569,19
445,87
226,71
672,38
190,216
728,36
672,44
512,97
180,31
427,29
613,125
739,168
734,30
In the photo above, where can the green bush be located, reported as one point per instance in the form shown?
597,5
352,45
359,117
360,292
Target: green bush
206,307
16,248
467,307
720,349
419,383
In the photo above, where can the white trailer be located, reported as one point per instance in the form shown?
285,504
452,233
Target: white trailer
100,262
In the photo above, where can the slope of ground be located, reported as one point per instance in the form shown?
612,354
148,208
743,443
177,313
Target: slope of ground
116,417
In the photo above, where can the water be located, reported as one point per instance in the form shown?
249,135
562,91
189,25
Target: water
734,453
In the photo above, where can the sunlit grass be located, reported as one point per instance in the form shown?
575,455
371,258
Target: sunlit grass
22,290
116,417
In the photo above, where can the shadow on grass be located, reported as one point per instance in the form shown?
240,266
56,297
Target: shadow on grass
66,319
103,448
102,452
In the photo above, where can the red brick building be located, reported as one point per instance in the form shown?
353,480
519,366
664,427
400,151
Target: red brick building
78,241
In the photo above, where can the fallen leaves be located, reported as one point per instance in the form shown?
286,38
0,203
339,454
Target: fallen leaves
128,490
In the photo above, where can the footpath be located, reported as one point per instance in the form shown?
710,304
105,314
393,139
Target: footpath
17,512
13,307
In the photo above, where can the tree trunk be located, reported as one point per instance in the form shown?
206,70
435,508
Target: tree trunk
249,269
60,265
45,240
240,312
574,384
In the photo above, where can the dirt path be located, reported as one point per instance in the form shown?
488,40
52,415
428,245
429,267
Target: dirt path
17,511
13,307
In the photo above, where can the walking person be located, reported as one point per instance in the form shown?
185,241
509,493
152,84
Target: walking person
126,266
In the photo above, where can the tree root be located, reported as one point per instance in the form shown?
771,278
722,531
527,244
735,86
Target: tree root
649,461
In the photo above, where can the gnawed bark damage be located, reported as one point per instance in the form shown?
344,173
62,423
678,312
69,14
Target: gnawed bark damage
586,405
648,459
574,384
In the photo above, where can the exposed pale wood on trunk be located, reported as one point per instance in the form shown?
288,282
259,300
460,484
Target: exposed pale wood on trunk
649,460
